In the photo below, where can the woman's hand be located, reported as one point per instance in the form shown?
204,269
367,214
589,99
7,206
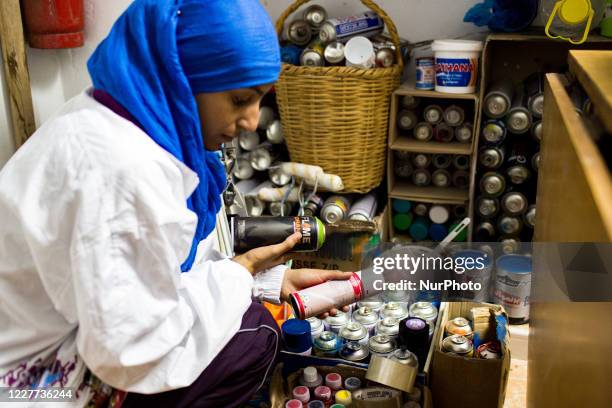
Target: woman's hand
297,279
259,259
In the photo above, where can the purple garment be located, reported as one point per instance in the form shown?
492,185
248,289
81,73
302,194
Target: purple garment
105,99
233,376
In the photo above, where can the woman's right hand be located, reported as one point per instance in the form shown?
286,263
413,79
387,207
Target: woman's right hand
259,259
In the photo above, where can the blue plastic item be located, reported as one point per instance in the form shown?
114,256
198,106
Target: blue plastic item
296,334
503,15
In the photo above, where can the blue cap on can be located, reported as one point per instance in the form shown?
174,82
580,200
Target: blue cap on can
438,232
419,228
401,206
296,334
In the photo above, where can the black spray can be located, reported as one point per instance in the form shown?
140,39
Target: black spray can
254,232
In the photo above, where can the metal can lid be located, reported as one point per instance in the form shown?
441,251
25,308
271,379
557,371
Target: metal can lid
493,132
404,356
314,322
496,105
381,343
515,203
339,319
536,105
453,115
537,130
315,15
492,184
463,133
509,225
423,131
460,321
518,174
519,121
334,52
327,33
433,114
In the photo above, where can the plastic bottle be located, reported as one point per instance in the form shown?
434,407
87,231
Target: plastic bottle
572,20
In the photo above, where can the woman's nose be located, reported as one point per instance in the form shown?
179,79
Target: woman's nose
250,119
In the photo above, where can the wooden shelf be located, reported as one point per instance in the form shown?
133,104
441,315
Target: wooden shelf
417,146
408,88
429,194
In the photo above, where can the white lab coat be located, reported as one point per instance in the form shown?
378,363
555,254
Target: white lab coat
93,229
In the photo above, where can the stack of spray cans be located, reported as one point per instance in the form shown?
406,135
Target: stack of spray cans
418,221
255,164
438,170
508,162
379,325
316,41
459,340
434,120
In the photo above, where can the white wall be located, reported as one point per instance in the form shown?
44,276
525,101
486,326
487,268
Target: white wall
58,75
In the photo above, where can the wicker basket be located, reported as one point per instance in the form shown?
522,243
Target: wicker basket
337,117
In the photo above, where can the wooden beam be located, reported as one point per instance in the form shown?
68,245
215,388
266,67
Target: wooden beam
16,72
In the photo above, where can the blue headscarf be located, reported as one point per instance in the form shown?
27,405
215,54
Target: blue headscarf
160,53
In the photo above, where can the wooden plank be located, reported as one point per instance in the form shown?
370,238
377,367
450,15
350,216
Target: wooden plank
594,72
16,71
430,194
409,88
418,146
574,185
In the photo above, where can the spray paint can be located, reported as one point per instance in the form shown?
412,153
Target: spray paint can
367,24
454,115
274,132
433,114
459,211
514,203
290,54
458,345
423,131
248,140
461,179
335,208
243,169
296,335
425,73
443,133
494,132
441,161
255,232
313,206
513,286
498,99
461,162
313,55
463,133
315,16
402,155
421,160
421,177
316,327
326,345
354,331
536,130
491,157
336,323
441,178
517,170
509,225
492,184
394,309
519,118
389,326
364,208
414,335
534,87
299,32
261,158
381,345
355,352
325,296
484,232
530,216
535,162
266,117
406,119
280,209
487,207
403,169
334,53
278,176
367,317
421,209
385,57
426,311
410,102
509,244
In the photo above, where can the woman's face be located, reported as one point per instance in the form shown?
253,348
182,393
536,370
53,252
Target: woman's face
224,114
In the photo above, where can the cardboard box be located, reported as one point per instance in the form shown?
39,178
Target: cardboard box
462,382
341,251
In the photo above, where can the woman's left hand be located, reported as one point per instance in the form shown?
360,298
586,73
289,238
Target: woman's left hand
297,279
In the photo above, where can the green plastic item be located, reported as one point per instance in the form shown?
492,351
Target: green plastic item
402,222
462,237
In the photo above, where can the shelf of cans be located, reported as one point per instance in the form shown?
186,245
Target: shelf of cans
374,326
508,161
254,164
413,221
315,40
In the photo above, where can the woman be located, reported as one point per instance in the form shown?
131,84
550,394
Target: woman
116,195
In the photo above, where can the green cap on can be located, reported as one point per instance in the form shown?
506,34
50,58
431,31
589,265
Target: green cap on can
401,206
419,229
320,233
402,222
462,237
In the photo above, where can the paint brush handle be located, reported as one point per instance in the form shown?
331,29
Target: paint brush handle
453,234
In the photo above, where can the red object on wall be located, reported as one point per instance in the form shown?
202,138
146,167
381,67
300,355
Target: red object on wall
54,23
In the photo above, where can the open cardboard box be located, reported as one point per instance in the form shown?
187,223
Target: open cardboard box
466,382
